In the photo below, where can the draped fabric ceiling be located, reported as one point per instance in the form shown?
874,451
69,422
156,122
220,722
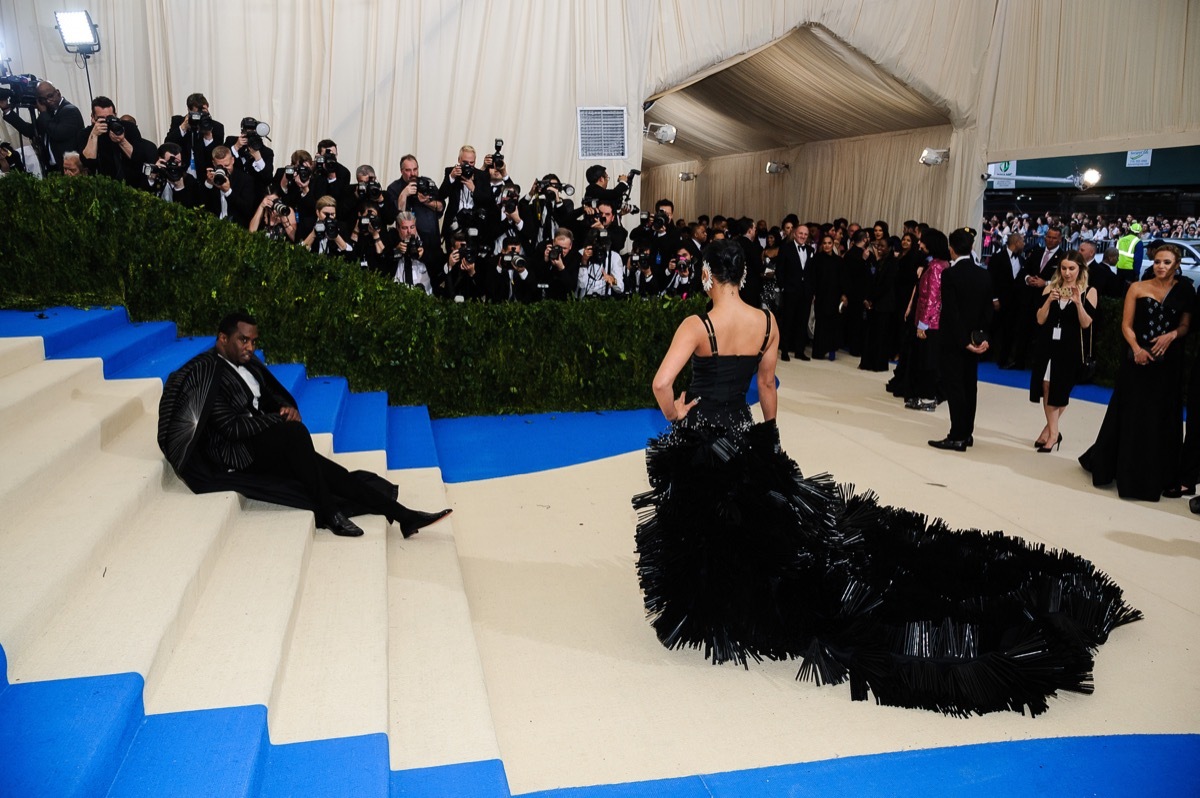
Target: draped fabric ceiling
840,89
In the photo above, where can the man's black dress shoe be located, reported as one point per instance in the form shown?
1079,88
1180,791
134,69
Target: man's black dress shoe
802,356
784,357
946,443
414,521
342,526
970,440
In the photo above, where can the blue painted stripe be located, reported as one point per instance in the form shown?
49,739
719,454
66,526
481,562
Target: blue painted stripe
321,401
349,767
124,345
61,328
410,441
476,779
484,447
290,375
362,423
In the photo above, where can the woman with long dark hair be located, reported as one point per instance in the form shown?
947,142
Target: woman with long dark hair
923,385
828,297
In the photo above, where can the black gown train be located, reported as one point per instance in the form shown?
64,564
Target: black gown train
743,557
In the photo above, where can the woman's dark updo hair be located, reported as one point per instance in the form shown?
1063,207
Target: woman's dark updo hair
936,244
725,260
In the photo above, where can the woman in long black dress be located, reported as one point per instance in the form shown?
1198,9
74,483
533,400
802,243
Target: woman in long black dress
1139,441
879,344
1064,318
743,557
829,297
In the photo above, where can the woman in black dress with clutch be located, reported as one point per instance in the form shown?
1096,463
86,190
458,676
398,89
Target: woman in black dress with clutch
1064,318
1140,439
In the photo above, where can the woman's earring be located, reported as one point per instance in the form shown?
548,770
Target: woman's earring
706,280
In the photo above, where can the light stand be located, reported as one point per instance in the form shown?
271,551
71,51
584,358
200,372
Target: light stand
79,36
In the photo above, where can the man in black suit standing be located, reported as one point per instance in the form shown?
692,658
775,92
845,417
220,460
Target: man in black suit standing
1006,269
468,197
796,288
56,130
966,315
227,192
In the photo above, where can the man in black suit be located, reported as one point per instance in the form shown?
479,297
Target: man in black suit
226,423
56,130
1040,266
197,134
227,192
963,326
468,197
745,234
1006,269
253,156
796,293
168,178
112,148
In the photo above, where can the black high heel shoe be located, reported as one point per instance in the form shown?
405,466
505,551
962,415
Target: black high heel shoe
1175,493
1056,445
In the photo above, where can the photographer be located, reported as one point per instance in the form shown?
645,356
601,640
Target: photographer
275,218
253,156
683,276
466,267
467,195
601,272
197,134
294,185
559,266
56,129
605,218
369,241
367,192
597,187
332,178
512,225
644,279
511,280
110,147
546,208
419,196
10,159
408,255
168,179
326,237
227,192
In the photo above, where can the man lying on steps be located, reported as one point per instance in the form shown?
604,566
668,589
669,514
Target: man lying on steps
226,423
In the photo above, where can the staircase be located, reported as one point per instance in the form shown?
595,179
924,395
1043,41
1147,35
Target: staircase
159,642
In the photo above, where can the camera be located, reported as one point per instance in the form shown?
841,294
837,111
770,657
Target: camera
511,197
427,187
19,90
370,190
174,171
326,163
645,217
634,173
281,208
368,222
467,170
497,158
660,220
200,120
514,260
412,247
303,172
115,125
555,252
327,228
220,178
254,131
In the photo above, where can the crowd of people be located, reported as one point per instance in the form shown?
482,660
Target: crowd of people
1103,231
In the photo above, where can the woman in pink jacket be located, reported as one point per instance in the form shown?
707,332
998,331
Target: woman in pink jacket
923,391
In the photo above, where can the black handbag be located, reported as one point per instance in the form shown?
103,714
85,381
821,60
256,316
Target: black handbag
1087,370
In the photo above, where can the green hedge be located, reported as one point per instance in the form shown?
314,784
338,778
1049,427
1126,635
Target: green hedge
89,241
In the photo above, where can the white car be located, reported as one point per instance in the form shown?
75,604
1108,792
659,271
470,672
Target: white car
1191,255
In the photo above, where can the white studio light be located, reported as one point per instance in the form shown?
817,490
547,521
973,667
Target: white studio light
687,177
775,168
931,156
1089,178
79,33
660,132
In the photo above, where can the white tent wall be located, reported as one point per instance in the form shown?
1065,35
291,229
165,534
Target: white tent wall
1016,78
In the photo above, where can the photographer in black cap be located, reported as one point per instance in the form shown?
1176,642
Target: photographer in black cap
56,129
168,178
111,147
197,134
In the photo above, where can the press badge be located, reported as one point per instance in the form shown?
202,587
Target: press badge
1056,334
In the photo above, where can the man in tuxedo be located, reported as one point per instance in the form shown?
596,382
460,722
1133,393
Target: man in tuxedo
253,156
468,197
226,423
1040,266
56,130
796,293
1105,280
746,235
168,177
112,149
597,187
227,192
426,207
197,134
1006,269
332,178
963,325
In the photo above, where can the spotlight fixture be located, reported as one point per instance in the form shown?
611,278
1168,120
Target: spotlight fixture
775,167
1081,180
687,177
79,33
933,157
660,132
1089,178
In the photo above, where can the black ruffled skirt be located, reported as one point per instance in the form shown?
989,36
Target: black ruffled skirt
741,556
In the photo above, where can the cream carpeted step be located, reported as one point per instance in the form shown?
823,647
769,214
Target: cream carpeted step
438,703
52,541
27,393
230,653
126,613
35,455
334,678
19,353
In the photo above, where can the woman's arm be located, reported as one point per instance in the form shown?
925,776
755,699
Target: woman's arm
768,399
1043,311
1140,356
683,346
1085,319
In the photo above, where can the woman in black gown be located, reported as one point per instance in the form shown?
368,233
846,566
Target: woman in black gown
1064,318
1139,441
743,557
829,298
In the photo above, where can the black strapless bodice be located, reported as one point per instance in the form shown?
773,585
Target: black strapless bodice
720,382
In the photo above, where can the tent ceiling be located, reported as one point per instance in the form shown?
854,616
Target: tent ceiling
808,86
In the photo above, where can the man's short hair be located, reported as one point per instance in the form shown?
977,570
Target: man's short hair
564,231
465,148
703,219
229,324
301,156
323,143
405,216
612,206
1015,237
326,202
366,170
510,240
961,240
664,203
410,157
221,151
195,102
595,172
103,102
170,147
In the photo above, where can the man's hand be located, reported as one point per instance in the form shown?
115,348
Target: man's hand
289,413
978,350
